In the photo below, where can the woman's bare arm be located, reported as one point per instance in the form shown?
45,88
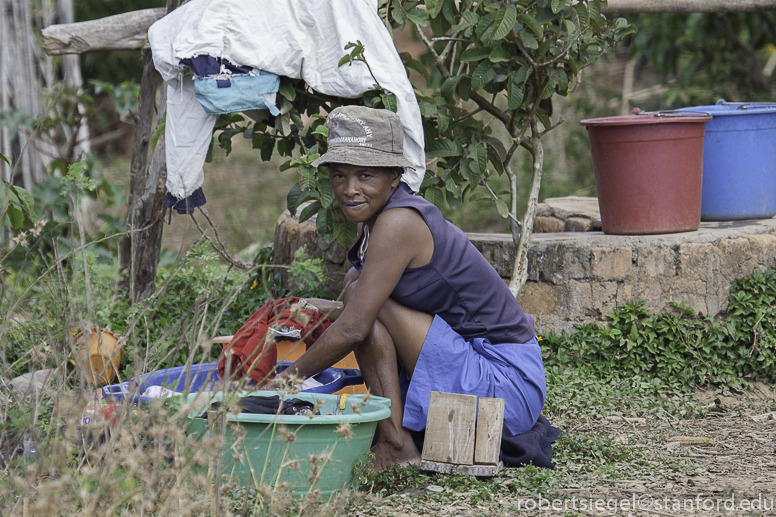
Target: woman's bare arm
399,236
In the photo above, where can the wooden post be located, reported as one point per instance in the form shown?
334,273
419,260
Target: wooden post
142,242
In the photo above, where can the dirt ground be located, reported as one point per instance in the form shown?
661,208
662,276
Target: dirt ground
730,469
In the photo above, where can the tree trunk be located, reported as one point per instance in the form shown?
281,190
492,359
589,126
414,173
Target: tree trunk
142,243
520,269
146,105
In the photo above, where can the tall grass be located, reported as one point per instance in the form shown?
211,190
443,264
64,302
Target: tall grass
143,460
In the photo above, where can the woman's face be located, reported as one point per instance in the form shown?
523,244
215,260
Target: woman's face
362,192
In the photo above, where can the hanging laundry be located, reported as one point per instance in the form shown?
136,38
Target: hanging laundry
294,38
223,87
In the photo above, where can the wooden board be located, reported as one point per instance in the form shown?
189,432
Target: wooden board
490,420
450,428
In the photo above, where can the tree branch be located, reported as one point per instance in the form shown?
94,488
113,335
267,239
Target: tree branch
476,97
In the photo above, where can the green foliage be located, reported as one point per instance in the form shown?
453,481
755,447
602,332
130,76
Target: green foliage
711,56
504,57
678,348
306,276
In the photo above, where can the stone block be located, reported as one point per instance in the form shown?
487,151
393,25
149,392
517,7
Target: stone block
610,263
763,247
656,262
539,298
543,224
578,224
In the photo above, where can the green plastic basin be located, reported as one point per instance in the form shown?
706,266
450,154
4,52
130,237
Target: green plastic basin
265,456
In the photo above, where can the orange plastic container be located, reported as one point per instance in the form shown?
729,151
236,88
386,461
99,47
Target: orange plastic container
98,359
648,170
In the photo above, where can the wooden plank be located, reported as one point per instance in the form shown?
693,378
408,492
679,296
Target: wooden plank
490,420
450,428
126,31
687,6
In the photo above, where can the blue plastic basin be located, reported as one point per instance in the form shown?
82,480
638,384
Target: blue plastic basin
739,161
205,376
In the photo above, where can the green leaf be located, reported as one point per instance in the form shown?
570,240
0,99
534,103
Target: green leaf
419,67
581,10
470,17
444,149
504,22
481,158
528,40
427,109
556,5
327,194
514,93
390,102
5,158
310,210
347,58
594,7
15,215
448,87
500,54
443,122
530,24
485,23
321,130
293,197
284,124
475,53
482,75
287,89
503,211
327,224
27,201
436,196
308,179
520,76
418,16
464,86
347,233
434,7
158,133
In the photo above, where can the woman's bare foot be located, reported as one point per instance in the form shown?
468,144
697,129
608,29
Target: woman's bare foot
387,456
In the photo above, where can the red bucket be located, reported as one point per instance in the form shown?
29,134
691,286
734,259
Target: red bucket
648,171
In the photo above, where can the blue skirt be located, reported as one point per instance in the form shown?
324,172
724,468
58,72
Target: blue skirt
451,364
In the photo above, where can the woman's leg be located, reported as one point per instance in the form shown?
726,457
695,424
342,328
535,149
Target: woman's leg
399,331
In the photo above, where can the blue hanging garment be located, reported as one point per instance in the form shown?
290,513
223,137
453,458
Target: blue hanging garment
223,87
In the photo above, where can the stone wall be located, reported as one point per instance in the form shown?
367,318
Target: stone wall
580,277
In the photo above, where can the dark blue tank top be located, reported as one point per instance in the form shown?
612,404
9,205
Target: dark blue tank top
458,285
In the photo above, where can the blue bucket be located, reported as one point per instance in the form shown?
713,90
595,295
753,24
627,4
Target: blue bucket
203,377
739,161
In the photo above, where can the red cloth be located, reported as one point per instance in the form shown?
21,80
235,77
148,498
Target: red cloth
248,344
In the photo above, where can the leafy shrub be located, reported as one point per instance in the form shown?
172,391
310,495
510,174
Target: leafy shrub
678,346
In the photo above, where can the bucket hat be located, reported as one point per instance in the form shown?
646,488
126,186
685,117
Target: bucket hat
364,136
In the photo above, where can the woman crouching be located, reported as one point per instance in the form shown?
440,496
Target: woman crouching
424,310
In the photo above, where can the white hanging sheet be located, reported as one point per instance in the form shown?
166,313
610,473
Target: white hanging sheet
293,38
